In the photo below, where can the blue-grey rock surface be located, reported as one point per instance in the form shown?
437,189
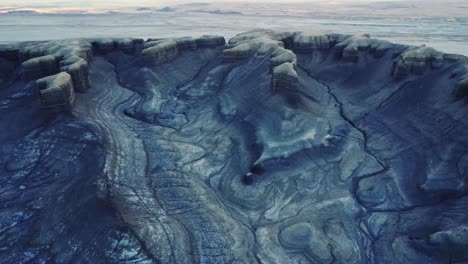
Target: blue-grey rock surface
275,147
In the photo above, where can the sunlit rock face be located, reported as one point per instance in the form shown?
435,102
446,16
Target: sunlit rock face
272,148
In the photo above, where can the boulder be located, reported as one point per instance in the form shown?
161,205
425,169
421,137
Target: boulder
40,67
56,92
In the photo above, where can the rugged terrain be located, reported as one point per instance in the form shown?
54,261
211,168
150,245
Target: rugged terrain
271,148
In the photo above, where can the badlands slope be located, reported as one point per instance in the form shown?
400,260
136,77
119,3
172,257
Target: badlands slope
275,147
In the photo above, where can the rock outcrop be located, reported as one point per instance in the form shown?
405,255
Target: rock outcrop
107,45
160,51
305,43
281,56
43,59
48,58
245,45
56,92
186,43
346,47
353,46
238,53
417,60
78,69
40,67
210,41
285,77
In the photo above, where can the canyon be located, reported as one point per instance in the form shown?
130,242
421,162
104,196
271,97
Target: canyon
272,147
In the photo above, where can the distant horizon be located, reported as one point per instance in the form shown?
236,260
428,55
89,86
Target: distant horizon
152,3
388,9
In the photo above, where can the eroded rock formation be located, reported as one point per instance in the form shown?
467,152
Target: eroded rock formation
56,92
40,67
158,52
273,148
285,77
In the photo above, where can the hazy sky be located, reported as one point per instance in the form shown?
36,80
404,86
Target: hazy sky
116,3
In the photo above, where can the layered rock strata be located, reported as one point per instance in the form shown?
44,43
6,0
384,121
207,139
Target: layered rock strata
40,67
281,147
285,77
157,52
56,92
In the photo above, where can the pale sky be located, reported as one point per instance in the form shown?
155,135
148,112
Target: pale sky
122,3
